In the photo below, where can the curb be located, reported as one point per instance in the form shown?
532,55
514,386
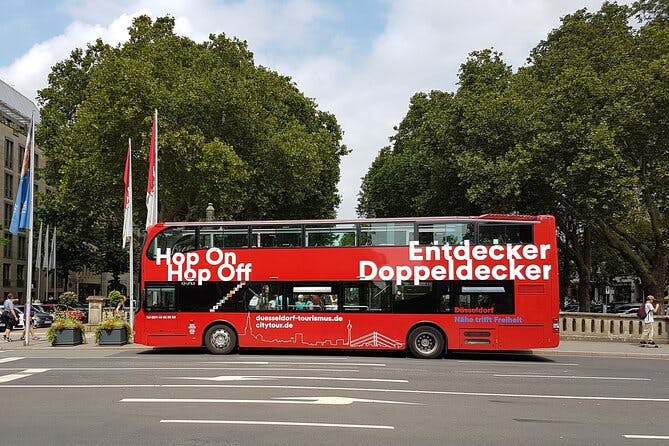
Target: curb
600,354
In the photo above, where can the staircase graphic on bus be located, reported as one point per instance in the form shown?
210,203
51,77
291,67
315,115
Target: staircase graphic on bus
225,298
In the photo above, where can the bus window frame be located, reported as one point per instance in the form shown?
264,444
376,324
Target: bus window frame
161,285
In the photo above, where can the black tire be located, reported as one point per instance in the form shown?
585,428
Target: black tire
220,339
426,342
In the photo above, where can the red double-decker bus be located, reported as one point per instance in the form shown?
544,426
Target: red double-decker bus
428,285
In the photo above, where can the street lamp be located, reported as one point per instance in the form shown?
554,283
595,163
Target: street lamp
209,212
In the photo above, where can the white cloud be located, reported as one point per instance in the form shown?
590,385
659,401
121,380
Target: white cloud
29,73
420,49
367,85
262,22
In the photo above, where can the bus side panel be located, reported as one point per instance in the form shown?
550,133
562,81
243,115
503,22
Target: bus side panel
516,337
343,330
325,330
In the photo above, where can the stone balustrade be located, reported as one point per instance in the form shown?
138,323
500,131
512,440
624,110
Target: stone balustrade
608,327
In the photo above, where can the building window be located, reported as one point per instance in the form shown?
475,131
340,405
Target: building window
9,209
6,274
8,246
9,154
23,247
20,278
9,185
21,155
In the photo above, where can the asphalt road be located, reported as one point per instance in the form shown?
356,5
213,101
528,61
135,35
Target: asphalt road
172,397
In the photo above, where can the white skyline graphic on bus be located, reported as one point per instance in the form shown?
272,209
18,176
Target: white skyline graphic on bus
373,339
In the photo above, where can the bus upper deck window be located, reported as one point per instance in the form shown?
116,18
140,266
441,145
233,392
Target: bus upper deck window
386,234
498,233
340,234
176,239
445,233
229,237
276,236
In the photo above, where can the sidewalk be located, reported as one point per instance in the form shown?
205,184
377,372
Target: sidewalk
613,349
42,343
566,348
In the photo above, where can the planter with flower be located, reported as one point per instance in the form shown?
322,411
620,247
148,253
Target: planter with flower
113,331
66,330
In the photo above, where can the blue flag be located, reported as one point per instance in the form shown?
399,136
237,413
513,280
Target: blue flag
21,216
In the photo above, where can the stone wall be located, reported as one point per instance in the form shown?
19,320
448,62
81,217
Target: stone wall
608,327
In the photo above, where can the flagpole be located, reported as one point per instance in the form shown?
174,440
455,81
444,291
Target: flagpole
152,179
53,250
132,264
156,118
26,325
38,262
45,264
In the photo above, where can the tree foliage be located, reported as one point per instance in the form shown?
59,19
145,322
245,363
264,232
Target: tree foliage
580,132
231,133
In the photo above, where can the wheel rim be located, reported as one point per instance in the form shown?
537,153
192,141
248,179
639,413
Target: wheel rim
426,343
220,338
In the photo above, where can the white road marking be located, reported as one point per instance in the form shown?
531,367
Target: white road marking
217,369
573,377
272,377
237,362
350,364
35,370
647,437
10,359
510,363
289,369
317,400
11,377
337,389
23,374
280,423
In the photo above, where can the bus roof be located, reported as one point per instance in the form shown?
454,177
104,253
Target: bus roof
484,217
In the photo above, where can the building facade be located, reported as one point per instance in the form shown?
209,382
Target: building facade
15,113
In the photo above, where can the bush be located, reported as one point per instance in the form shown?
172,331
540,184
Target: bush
68,298
111,323
62,322
114,297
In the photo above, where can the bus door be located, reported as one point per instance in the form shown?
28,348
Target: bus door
160,309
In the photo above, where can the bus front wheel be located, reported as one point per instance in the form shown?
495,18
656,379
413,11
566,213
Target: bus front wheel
426,342
220,339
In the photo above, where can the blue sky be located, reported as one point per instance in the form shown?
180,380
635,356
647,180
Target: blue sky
360,60
27,22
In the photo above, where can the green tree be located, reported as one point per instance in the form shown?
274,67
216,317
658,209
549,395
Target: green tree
601,95
231,133
579,133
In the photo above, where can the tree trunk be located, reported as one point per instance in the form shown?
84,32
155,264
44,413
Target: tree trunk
579,239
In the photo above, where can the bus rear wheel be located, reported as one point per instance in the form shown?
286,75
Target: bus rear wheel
426,342
220,339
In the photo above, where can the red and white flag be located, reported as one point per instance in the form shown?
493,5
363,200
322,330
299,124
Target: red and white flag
127,200
152,186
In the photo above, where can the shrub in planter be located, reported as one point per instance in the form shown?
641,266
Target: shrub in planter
66,330
68,298
114,297
113,331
